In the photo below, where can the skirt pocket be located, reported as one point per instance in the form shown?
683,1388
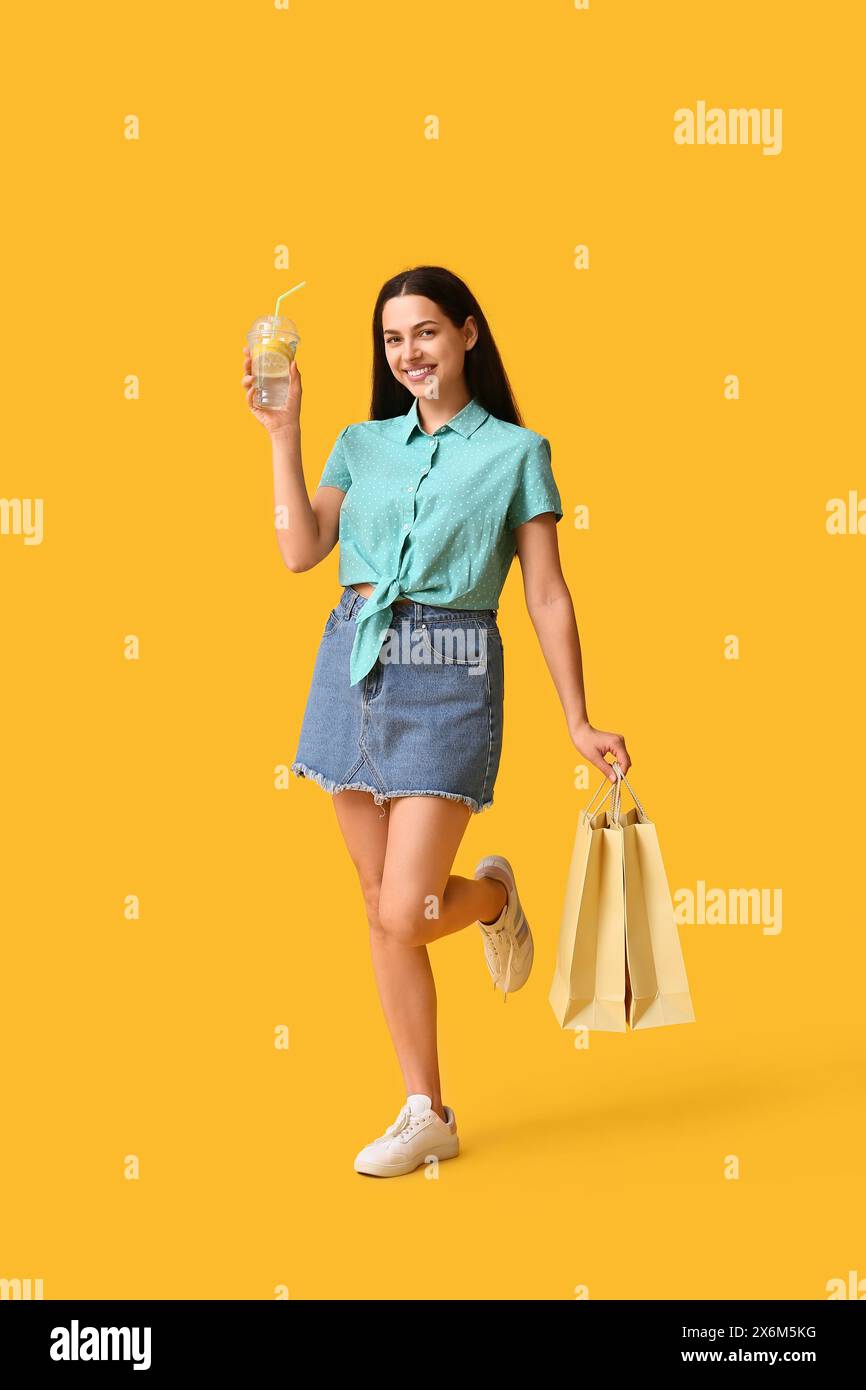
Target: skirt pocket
334,617
455,644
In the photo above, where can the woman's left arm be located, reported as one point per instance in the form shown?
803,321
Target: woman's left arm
551,610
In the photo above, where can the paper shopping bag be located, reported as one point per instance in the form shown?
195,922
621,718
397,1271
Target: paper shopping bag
588,989
619,958
657,985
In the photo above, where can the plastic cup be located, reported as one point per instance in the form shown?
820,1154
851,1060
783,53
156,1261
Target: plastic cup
272,343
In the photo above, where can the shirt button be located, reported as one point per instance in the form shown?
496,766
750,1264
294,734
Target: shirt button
410,489
406,527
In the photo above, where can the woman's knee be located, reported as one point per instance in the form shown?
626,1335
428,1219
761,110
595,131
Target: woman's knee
404,915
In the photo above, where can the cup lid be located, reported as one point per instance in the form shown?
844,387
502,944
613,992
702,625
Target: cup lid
273,325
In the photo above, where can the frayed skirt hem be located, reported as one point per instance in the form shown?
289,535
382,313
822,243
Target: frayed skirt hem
329,785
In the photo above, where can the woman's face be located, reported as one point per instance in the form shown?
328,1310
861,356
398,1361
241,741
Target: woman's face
417,334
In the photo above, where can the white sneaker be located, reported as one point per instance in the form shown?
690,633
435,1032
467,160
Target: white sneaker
417,1134
508,947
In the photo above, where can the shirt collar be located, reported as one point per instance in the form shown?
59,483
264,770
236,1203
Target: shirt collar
465,422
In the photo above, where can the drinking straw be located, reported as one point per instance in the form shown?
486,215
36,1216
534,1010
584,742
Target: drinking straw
283,295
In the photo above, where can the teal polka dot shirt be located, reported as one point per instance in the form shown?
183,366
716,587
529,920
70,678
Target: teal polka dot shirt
431,517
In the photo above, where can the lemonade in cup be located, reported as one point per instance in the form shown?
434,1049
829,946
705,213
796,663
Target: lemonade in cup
272,341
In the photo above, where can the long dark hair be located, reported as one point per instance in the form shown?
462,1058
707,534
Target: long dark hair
486,378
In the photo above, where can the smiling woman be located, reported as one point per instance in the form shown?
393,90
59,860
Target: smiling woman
431,498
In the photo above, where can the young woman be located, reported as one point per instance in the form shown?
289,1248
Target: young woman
431,498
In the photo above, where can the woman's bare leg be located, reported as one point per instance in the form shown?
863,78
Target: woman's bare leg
421,899
404,978
420,854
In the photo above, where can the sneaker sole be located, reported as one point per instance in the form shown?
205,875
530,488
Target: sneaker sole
390,1170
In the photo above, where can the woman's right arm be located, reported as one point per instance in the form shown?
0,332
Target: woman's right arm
306,531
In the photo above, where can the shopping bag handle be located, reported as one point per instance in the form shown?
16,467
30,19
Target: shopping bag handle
616,788
617,795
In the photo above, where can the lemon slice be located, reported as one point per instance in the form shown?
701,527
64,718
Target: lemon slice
272,357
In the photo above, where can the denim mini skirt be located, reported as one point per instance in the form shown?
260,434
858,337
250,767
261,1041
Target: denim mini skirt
426,720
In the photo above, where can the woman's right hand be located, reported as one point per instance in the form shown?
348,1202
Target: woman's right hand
594,743
274,421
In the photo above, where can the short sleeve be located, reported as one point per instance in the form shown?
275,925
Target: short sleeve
336,471
536,487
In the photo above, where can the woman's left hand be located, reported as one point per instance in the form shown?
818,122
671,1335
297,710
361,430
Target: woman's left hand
594,743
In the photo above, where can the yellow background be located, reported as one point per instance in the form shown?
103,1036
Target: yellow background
602,1168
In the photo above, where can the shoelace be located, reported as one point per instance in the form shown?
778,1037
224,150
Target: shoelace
400,1123
493,939
405,1125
